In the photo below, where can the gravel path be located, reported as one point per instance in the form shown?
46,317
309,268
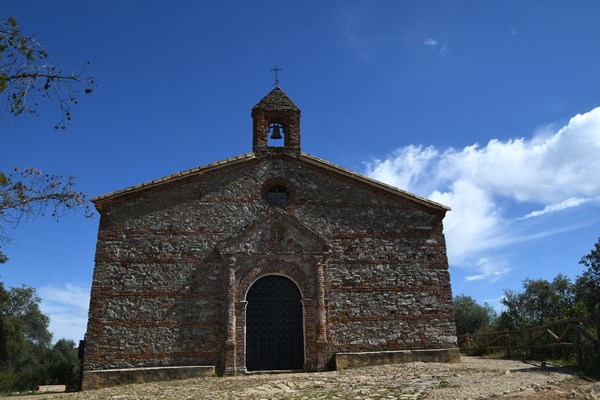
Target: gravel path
473,378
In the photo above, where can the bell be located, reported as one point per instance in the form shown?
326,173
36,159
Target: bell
276,132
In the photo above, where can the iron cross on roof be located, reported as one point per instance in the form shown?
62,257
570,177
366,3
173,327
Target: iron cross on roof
276,69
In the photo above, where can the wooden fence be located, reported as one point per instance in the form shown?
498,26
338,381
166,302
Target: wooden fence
559,339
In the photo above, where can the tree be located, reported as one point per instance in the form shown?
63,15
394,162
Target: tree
27,193
26,76
25,338
540,302
588,284
3,331
471,317
63,365
26,325
27,358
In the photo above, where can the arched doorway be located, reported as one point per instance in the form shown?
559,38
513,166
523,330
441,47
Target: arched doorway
274,325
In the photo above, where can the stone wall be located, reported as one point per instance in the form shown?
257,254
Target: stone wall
115,377
160,286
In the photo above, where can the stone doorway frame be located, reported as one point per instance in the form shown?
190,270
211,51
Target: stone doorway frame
301,255
312,289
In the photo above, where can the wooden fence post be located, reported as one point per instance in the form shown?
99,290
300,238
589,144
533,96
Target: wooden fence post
597,320
526,341
578,349
563,348
530,349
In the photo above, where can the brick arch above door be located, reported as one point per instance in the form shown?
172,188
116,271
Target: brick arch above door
290,270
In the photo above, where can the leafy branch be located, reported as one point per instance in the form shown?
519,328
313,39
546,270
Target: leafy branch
25,76
29,193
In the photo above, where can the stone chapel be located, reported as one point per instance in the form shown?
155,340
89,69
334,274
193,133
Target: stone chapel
270,260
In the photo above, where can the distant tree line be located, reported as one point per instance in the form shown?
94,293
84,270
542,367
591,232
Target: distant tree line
27,356
540,302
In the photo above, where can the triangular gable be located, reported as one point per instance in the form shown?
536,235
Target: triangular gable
326,165
100,201
279,233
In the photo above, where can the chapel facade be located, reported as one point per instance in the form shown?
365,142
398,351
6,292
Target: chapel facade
271,260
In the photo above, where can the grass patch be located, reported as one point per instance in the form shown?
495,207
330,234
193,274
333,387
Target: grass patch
443,384
588,371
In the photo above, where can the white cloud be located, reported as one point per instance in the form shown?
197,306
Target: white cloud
430,42
445,50
438,46
563,205
474,223
543,169
489,271
67,307
552,171
405,167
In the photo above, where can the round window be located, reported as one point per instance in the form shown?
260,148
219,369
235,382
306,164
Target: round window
278,196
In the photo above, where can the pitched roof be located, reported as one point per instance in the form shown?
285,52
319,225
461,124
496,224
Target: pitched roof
173,178
372,182
241,159
276,100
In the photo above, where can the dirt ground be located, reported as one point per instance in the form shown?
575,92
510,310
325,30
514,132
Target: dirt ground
573,388
473,378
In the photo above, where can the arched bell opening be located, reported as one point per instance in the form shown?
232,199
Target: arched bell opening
276,132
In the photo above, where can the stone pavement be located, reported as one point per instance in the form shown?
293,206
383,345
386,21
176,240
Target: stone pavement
473,378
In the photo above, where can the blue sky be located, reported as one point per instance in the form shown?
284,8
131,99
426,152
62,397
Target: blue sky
490,107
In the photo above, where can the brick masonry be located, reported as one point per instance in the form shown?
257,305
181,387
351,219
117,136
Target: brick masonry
176,257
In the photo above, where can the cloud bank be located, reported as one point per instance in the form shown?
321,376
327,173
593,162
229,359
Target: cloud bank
548,173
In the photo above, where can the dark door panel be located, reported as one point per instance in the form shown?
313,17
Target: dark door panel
274,325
